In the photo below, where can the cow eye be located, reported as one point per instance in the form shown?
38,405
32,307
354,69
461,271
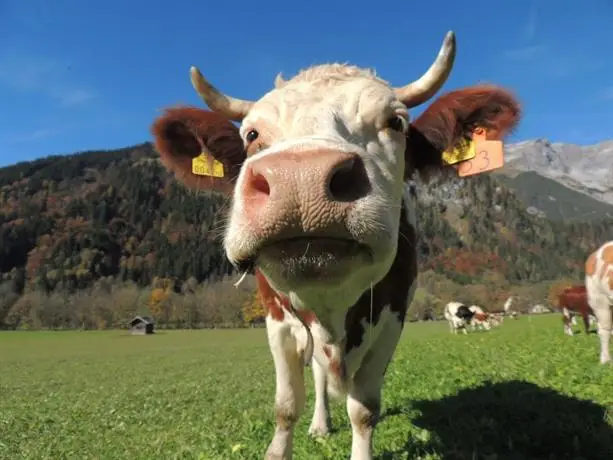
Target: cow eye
251,136
398,123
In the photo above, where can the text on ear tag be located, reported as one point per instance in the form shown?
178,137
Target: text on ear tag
489,155
205,165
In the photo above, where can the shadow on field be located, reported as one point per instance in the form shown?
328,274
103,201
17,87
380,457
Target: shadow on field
511,420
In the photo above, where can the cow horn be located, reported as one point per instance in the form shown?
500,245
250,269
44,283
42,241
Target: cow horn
234,109
279,81
430,82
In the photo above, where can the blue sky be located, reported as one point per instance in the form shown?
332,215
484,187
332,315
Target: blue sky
80,75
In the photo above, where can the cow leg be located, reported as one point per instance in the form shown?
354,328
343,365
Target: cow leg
364,398
602,310
320,424
567,321
290,393
586,322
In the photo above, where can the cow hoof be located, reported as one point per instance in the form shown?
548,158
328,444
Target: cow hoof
319,430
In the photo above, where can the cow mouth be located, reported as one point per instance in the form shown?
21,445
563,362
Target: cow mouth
308,257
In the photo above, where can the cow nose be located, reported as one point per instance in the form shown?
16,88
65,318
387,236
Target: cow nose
326,176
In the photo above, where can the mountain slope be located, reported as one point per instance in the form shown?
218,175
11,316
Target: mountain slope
587,169
548,197
66,222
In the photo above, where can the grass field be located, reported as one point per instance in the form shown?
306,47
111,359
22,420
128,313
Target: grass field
522,391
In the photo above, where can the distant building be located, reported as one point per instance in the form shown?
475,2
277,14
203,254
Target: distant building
141,325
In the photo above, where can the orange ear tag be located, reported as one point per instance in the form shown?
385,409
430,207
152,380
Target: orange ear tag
489,156
476,156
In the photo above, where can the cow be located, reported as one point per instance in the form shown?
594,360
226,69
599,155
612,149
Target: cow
321,213
496,318
507,308
573,300
459,316
599,288
480,319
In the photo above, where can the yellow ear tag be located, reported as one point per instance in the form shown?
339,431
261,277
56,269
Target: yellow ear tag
205,165
464,151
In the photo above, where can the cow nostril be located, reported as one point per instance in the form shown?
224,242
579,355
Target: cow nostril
260,184
349,181
256,187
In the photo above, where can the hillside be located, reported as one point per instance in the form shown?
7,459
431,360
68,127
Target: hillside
68,222
550,198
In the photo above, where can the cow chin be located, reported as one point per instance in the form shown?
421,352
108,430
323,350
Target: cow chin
320,261
325,273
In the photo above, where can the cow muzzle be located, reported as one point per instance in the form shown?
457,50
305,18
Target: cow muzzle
295,209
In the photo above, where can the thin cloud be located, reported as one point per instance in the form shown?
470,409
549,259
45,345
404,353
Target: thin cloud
525,53
43,75
531,24
36,135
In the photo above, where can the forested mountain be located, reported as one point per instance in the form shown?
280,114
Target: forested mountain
67,222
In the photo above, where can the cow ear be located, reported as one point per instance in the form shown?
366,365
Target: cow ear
202,148
452,119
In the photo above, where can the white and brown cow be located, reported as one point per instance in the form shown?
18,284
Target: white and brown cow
321,212
599,287
480,319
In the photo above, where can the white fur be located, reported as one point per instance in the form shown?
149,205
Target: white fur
600,298
455,323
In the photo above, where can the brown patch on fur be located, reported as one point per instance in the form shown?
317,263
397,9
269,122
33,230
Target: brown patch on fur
607,269
607,254
590,264
285,418
453,117
306,315
327,351
269,298
480,316
337,368
368,417
182,133
574,299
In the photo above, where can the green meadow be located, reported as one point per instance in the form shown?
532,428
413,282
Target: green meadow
521,391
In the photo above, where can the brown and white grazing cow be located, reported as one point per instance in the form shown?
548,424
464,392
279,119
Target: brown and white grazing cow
599,287
480,319
321,211
573,300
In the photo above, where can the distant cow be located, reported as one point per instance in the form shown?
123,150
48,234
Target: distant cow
480,319
321,211
458,315
573,301
599,288
507,308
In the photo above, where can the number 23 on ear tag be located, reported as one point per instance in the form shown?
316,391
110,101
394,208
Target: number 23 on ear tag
489,156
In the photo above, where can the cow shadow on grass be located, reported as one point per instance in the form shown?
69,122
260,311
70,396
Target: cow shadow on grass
511,420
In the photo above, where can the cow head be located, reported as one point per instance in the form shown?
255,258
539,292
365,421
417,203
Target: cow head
465,313
318,167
